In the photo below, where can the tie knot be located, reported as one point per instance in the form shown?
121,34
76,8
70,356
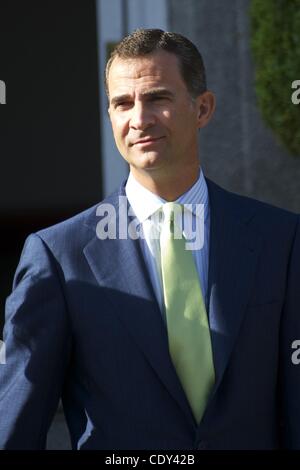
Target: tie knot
170,210
172,220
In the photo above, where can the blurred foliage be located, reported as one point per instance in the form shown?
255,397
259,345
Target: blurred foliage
275,42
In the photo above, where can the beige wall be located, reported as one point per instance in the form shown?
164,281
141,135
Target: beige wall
237,150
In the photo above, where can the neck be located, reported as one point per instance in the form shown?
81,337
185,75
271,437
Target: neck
170,187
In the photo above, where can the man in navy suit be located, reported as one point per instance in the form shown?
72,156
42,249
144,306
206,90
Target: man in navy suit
86,320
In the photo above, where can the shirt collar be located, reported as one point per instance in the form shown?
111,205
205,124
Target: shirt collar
145,203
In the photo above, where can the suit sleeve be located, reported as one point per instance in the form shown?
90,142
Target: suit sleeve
289,376
37,339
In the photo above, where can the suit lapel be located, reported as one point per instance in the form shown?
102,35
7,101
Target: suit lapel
234,249
119,268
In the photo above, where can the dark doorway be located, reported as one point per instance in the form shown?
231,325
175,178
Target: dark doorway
50,125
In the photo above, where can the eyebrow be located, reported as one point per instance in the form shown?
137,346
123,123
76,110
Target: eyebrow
154,92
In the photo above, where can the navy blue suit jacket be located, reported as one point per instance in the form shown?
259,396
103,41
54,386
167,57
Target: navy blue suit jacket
82,322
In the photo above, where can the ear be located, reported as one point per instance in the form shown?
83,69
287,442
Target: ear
206,104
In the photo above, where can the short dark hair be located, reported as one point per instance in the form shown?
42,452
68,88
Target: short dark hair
146,41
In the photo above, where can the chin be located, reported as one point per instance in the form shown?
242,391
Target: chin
147,161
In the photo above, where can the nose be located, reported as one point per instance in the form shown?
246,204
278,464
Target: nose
141,118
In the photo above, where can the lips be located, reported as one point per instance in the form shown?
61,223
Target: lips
147,140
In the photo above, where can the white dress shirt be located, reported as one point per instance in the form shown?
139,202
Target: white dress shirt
144,204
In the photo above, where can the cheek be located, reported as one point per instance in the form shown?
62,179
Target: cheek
120,128
174,118
165,116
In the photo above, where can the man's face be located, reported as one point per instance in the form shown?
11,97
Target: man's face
153,116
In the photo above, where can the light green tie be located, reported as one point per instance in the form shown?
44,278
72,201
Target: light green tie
188,329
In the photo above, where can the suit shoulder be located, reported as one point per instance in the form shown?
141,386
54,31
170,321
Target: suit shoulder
248,205
76,229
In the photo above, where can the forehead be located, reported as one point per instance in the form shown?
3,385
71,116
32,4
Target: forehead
160,68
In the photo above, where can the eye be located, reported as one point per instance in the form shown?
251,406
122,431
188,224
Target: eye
123,105
159,98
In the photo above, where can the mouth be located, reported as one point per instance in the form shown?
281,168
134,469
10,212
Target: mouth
147,141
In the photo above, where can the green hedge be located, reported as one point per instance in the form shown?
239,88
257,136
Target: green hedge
275,42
